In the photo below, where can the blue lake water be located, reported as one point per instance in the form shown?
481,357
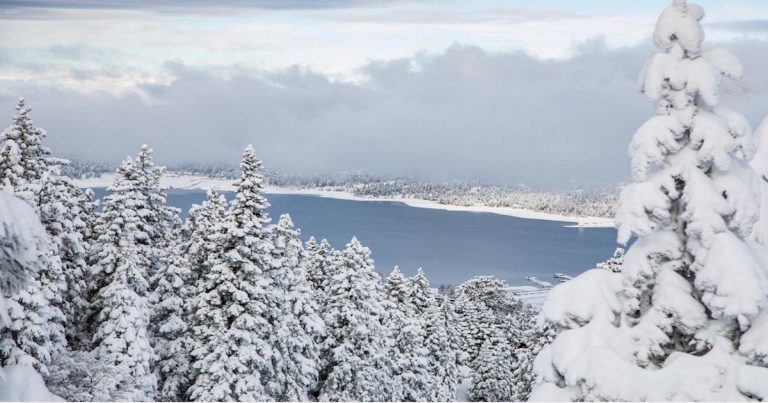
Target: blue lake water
451,246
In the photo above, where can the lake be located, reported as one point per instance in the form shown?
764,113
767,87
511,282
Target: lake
451,246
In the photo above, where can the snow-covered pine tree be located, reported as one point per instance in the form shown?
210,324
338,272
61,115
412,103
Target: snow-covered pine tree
355,351
37,330
691,299
202,232
299,327
121,296
398,292
411,378
422,296
492,380
66,211
154,230
475,323
443,353
62,207
233,355
23,158
486,289
172,338
481,304
318,266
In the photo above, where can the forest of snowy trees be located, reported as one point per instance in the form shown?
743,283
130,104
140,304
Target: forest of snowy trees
595,201
121,300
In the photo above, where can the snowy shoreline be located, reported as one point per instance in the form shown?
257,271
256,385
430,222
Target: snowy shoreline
175,181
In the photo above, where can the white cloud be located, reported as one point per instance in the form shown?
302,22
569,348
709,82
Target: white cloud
463,112
536,99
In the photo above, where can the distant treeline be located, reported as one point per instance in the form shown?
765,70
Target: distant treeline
579,202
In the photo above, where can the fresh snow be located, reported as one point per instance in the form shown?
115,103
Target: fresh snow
683,316
20,383
181,181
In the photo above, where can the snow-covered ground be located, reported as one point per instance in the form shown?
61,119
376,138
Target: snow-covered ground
20,383
176,181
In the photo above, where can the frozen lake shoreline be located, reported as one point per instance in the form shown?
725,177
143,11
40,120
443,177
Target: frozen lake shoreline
175,181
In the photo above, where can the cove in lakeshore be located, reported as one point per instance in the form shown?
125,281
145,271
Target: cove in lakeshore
451,246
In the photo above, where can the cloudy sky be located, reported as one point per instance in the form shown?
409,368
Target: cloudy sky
518,91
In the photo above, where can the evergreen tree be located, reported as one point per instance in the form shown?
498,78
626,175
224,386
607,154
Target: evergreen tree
154,230
410,373
233,358
443,353
486,289
121,298
422,296
66,212
172,337
299,326
475,324
24,159
354,353
37,312
399,294
319,269
492,379
202,232
690,299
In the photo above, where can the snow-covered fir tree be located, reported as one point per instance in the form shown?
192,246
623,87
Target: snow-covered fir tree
233,358
355,363
202,232
318,266
480,306
23,157
475,323
492,380
443,352
411,378
422,296
172,338
686,318
398,292
154,230
299,327
68,214
37,312
486,289
121,296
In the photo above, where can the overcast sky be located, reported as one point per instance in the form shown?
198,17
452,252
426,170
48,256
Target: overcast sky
519,91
